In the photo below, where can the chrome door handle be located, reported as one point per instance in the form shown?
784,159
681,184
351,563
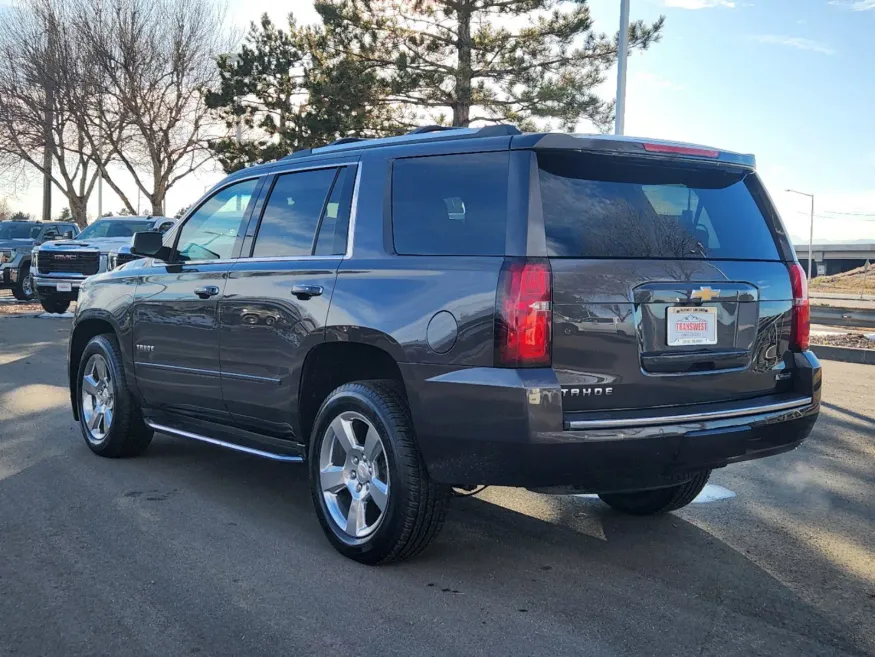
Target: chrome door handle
304,292
206,291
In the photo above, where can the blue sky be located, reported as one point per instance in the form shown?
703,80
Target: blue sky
788,80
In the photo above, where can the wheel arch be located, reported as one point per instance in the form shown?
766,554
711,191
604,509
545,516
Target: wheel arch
86,327
330,364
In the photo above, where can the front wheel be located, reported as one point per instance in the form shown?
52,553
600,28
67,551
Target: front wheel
109,417
24,291
54,306
661,500
372,493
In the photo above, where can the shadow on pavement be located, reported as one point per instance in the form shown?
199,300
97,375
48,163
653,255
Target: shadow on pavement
647,575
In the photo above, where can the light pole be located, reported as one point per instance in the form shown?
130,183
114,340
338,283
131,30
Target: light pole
234,59
811,230
622,55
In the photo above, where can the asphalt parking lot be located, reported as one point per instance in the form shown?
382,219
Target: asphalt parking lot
192,550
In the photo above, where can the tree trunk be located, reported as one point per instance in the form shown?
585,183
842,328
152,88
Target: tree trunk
462,104
159,192
78,209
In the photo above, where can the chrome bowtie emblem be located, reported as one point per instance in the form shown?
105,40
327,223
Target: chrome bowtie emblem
705,294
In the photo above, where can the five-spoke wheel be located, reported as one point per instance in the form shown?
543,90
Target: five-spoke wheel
354,474
372,493
98,398
111,421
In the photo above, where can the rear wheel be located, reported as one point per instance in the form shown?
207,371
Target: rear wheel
55,306
23,291
662,500
109,417
372,493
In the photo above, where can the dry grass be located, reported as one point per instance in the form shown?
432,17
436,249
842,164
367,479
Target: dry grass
856,281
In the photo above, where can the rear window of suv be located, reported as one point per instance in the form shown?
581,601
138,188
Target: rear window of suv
450,204
604,207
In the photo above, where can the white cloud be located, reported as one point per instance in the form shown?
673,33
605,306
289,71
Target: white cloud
794,42
656,81
855,5
700,4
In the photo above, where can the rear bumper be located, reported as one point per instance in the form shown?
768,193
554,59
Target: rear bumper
506,427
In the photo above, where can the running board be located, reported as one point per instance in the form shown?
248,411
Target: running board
222,443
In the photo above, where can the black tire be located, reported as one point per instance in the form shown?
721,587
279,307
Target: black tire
661,500
55,306
416,506
127,434
24,290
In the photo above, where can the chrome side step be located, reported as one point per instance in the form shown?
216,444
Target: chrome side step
221,443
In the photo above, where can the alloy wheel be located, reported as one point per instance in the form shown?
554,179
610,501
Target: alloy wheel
354,475
27,286
98,398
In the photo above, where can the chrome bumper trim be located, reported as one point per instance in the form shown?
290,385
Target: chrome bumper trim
800,402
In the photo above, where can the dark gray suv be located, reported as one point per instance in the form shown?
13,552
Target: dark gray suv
455,308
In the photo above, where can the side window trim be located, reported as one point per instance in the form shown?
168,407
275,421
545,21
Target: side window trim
176,231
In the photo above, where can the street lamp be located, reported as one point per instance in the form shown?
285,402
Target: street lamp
622,55
811,231
234,59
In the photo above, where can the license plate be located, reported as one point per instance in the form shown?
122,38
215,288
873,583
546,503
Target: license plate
692,326
65,287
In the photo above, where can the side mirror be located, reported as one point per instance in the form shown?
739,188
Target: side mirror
150,245
48,237
67,235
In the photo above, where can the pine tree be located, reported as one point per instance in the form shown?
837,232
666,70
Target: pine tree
292,89
527,62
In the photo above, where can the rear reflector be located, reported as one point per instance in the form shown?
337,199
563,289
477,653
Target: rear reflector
523,314
679,150
800,334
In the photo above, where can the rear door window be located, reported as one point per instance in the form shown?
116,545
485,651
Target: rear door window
450,204
291,217
605,207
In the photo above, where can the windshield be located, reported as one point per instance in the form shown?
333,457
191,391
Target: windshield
107,228
17,230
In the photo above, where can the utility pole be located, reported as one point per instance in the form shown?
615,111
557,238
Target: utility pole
811,230
48,118
100,162
622,56
47,157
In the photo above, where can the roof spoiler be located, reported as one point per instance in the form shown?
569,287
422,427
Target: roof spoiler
631,146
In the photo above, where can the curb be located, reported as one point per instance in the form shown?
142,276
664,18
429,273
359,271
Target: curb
845,354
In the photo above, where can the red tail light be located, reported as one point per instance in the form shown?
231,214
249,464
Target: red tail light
524,316
801,331
651,147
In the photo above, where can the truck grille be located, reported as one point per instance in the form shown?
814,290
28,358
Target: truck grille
68,263
124,258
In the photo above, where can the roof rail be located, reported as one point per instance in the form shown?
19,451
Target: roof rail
423,129
499,130
345,140
304,152
430,134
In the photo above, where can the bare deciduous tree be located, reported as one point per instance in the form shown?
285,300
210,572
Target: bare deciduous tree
41,60
152,62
